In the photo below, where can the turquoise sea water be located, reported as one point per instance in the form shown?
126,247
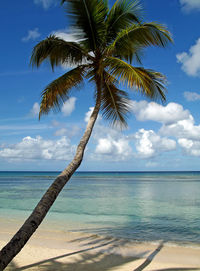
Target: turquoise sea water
142,206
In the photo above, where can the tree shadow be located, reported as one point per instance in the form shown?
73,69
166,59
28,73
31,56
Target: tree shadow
101,255
104,258
86,262
150,258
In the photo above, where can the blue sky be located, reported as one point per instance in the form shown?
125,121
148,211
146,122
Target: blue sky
159,136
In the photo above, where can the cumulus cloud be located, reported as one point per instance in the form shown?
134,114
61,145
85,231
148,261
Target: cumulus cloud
69,106
188,5
32,35
117,149
176,122
149,144
39,148
191,61
35,110
182,129
190,147
109,142
45,3
113,144
170,113
187,133
191,96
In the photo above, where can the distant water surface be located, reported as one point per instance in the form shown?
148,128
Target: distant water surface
142,206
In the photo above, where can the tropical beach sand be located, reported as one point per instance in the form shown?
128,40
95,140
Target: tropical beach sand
75,251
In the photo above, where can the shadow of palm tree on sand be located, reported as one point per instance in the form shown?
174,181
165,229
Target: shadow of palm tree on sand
100,256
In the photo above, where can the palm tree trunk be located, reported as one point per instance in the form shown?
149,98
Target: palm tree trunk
31,224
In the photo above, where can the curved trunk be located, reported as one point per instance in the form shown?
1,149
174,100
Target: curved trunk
31,224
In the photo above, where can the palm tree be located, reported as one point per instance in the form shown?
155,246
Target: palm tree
108,41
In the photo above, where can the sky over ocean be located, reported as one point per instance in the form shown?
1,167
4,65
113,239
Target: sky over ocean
159,137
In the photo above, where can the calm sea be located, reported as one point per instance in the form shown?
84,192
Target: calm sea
142,206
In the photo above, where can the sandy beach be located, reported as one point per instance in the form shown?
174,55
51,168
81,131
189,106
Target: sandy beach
55,250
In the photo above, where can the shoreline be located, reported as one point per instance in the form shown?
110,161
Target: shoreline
67,250
56,225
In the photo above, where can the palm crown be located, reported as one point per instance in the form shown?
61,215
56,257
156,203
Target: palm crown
108,42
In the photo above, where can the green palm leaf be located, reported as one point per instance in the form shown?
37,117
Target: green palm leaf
122,15
57,91
132,40
149,82
58,51
88,16
115,103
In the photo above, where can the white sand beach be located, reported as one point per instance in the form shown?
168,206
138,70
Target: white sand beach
74,251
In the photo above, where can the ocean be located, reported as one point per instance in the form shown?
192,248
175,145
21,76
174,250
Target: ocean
141,206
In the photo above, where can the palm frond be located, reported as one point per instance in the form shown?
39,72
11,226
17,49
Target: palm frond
122,15
149,34
148,82
58,51
144,35
157,84
126,50
115,104
131,41
57,91
89,17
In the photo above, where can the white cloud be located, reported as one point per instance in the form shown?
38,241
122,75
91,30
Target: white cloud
115,149
110,144
39,148
149,144
88,114
190,147
104,146
182,129
45,3
191,61
188,5
170,113
113,144
35,110
191,96
32,35
69,106
176,121
66,35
